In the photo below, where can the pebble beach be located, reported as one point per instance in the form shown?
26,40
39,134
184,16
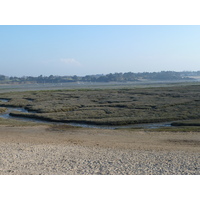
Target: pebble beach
39,151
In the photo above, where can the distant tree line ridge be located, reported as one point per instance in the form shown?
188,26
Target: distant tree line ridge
115,77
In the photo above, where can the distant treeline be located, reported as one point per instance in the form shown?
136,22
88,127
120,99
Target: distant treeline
116,77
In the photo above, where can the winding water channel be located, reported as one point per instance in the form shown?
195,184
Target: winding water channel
6,115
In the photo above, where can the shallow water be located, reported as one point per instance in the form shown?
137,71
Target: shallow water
6,114
3,100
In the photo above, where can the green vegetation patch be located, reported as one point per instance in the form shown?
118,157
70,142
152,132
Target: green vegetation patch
109,107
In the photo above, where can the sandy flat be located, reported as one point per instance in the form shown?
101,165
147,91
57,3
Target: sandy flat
45,150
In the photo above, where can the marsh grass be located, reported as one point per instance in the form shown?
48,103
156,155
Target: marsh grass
109,107
2,110
176,129
61,127
12,122
194,122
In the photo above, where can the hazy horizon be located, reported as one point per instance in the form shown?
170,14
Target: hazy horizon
90,50
103,74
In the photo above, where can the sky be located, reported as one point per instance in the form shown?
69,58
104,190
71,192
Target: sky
97,49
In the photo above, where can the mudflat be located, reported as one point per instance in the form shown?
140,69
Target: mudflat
66,150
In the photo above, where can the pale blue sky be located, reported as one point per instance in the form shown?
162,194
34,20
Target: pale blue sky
86,50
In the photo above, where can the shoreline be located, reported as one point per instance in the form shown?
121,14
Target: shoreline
111,138
51,150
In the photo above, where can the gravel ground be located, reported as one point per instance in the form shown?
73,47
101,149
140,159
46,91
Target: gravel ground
23,158
52,150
